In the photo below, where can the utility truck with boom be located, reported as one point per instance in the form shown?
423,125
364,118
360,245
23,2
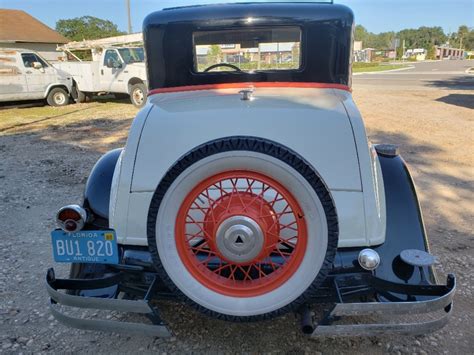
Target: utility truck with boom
116,70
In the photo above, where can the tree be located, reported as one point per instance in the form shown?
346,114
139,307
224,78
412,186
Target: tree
463,38
383,40
295,53
431,54
423,37
371,40
87,27
468,41
360,33
215,53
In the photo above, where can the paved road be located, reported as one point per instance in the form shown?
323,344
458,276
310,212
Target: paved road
448,74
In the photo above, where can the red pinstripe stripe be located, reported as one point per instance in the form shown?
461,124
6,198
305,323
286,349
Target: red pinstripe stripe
247,85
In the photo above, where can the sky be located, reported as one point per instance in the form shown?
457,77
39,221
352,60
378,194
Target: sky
376,15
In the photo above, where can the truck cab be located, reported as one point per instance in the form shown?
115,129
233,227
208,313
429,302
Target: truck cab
117,70
25,75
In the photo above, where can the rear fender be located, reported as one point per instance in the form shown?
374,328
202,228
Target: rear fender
98,188
404,230
405,227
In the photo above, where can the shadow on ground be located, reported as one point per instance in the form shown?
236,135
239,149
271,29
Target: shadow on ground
39,103
462,100
449,190
465,82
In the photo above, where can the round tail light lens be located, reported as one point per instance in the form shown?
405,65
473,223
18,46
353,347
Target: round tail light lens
71,218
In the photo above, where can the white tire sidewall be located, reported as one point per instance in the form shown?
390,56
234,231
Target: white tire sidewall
294,182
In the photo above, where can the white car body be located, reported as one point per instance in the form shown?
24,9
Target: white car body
97,77
322,124
20,81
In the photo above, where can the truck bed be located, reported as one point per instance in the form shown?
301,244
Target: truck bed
86,74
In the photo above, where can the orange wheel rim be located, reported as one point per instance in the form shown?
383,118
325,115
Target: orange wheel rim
241,233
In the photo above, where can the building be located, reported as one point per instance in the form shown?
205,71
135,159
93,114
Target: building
418,54
359,54
446,52
20,30
357,46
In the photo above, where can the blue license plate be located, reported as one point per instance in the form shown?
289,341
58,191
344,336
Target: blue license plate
85,247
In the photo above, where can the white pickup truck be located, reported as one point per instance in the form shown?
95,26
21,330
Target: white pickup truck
120,71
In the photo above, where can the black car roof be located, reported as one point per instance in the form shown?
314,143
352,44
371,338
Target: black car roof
326,41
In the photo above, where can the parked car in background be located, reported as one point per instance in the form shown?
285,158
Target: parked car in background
25,75
119,70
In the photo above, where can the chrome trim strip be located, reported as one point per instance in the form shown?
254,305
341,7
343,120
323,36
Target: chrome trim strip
444,302
110,325
98,303
140,306
357,309
354,330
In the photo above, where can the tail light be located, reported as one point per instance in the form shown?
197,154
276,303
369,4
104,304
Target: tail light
71,218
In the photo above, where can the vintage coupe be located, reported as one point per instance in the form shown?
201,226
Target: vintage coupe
247,187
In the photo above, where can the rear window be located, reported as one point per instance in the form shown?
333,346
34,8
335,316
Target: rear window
248,50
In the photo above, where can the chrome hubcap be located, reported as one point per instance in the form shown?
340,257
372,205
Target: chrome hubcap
139,96
239,239
59,98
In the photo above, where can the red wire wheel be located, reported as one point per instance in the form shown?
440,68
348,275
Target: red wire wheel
241,233
228,235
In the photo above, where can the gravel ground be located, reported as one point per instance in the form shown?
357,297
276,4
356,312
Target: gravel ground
45,163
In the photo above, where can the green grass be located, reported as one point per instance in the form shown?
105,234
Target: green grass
375,67
37,118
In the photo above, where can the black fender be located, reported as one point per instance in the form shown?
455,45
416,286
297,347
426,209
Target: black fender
98,186
96,202
405,227
404,230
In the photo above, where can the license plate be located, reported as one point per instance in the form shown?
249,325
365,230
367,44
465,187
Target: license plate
85,247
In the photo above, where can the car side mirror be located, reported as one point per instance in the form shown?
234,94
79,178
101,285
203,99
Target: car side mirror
118,65
110,63
37,65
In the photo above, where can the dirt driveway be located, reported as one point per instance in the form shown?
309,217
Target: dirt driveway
46,154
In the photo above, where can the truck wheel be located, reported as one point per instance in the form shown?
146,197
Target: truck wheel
58,97
138,95
242,229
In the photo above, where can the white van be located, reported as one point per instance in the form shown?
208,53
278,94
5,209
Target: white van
25,75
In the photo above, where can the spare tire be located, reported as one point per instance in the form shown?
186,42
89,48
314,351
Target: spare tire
243,229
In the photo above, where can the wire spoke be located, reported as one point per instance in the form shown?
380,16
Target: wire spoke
253,197
232,272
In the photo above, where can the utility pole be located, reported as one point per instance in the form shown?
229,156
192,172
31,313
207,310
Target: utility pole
129,17
403,51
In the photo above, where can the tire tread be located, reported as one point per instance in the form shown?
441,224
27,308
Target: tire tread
275,150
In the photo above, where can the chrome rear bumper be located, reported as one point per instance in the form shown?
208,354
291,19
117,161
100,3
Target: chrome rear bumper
157,328
439,299
435,300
